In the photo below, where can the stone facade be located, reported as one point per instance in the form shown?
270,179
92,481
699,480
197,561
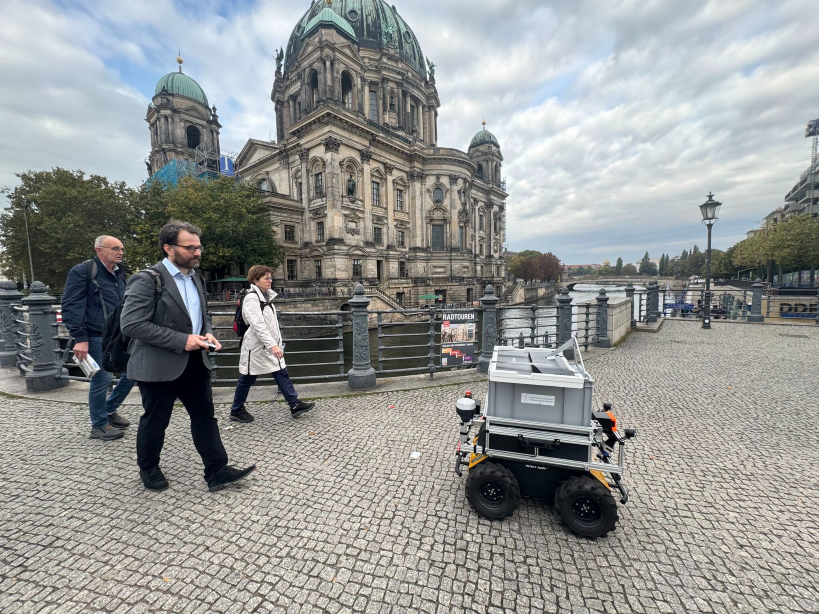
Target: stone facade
356,180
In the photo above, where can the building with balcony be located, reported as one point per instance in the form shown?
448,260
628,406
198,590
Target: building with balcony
356,179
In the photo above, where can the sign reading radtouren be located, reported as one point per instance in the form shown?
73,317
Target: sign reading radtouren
458,339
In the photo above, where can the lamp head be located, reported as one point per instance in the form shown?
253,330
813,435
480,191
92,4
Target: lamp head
710,209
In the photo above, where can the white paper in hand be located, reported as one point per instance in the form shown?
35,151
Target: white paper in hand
88,365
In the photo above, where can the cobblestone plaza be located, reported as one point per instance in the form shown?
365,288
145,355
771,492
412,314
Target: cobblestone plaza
339,518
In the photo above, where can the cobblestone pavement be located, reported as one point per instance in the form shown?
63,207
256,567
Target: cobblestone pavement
338,518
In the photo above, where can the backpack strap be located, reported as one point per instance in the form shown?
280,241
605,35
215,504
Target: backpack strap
157,279
91,274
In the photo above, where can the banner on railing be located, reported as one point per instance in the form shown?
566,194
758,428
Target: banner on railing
458,339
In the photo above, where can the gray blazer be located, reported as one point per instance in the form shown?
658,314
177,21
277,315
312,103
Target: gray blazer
159,329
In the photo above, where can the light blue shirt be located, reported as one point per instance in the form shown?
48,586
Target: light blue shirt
187,288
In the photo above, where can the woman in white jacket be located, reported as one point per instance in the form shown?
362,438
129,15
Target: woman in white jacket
261,350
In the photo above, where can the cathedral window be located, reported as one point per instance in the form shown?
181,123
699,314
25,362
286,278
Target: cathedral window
378,235
264,185
292,270
357,268
402,242
481,220
399,200
373,105
299,190
347,90
314,88
376,194
438,195
437,237
318,183
317,264
462,237
320,231
479,173
402,268
194,137
290,233
413,119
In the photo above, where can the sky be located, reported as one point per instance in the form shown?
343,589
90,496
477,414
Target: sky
615,118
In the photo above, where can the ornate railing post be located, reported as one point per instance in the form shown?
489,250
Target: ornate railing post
603,340
9,298
630,294
489,328
362,376
652,301
43,341
817,306
564,320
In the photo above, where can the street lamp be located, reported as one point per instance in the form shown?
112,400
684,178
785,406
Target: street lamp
28,241
709,209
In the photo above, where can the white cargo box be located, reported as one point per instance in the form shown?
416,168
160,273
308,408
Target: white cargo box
540,386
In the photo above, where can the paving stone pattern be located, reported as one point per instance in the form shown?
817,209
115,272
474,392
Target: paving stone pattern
338,518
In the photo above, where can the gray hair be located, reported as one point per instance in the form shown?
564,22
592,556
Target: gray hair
100,240
170,233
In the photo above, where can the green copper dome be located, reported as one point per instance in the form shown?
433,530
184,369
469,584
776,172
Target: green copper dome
484,137
374,24
328,17
180,84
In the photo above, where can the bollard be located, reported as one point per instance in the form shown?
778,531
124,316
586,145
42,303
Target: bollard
564,320
756,302
42,339
630,294
362,375
603,340
489,328
9,298
652,301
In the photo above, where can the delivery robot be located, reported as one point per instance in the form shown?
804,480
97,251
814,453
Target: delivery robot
536,435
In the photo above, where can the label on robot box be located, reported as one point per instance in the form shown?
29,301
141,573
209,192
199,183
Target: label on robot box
537,399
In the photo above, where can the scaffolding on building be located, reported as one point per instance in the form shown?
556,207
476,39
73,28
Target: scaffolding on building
812,130
211,161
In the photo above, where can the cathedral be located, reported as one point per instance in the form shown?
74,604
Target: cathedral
356,181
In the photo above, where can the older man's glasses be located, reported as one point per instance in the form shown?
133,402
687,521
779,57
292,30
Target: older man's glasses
192,249
116,248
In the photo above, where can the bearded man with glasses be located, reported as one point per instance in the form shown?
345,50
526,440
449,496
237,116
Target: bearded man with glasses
166,317
94,289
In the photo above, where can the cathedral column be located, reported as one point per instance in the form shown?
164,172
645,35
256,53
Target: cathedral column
389,199
422,111
367,99
380,103
332,187
307,231
279,122
407,117
328,79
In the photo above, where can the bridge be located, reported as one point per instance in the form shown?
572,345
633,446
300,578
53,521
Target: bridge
614,280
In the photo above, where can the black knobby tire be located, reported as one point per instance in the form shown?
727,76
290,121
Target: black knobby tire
492,490
586,506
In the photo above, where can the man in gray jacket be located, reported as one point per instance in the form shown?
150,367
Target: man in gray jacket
165,316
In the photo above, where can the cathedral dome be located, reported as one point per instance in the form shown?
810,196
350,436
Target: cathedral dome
484,137
374,24
181,84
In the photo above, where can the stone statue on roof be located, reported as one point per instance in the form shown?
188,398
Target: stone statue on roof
351,187
431,69
279,59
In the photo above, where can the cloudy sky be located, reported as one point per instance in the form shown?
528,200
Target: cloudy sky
615,118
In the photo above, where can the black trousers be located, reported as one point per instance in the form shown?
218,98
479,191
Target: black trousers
193,389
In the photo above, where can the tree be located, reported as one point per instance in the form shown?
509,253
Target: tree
531,265
604,270
66,211
684,255
647,267
618,268
629,269
235,229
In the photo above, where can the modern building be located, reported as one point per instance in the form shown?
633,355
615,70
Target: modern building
357,180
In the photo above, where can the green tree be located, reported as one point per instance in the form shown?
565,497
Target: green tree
232,216
66,211
647,267
618,268
604,270
684,254
629,269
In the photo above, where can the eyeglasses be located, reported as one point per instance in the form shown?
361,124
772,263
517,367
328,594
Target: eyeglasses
115,249
267,279
191,248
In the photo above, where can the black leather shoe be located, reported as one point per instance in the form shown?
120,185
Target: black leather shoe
241,415
301,409
153,479
228,475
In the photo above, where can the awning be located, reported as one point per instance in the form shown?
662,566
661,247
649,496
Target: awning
231,279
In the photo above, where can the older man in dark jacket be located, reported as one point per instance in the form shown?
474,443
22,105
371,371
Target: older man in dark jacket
94,289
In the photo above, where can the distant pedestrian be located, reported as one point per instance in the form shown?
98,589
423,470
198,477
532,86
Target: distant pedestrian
262,348
93,289
171,334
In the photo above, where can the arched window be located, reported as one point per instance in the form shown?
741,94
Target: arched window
264,185
194,137
480,171
314,89
347,90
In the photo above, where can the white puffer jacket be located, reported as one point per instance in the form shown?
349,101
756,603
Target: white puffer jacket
263,334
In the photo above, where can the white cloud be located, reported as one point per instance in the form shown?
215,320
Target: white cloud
615,118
